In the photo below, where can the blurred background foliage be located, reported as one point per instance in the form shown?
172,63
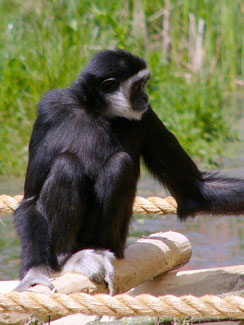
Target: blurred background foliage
195,50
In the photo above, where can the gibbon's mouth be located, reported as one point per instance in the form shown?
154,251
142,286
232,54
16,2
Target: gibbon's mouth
141,108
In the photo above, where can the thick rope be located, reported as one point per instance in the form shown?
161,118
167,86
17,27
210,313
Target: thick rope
60,305
142,206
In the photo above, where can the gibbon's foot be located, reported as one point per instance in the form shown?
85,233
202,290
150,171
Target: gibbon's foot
36,275
97,265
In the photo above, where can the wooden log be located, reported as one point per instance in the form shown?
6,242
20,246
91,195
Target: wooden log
214,281
144,259
149,257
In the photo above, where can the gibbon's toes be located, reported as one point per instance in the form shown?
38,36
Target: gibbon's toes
97,265
27,284
105,275
36,275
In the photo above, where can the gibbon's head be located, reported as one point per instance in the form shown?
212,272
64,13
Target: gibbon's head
114,82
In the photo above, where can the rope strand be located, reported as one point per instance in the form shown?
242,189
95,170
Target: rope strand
142,206
122,305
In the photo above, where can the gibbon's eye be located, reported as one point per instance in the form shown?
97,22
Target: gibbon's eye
109,85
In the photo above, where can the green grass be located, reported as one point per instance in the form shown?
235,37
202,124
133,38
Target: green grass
44,45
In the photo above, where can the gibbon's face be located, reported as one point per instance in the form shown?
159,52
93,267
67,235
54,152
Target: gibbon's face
127,99
120,78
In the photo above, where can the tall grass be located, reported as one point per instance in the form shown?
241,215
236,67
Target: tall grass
44,45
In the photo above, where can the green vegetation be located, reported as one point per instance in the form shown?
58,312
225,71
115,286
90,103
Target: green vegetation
195,50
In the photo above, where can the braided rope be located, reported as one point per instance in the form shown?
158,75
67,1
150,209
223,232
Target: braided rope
142,206
122,305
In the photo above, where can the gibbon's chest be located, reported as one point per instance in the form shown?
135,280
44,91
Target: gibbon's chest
129,135
98,140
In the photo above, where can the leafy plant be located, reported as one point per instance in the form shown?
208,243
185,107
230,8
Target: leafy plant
45,45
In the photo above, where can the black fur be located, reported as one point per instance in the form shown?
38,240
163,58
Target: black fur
195,191
84,166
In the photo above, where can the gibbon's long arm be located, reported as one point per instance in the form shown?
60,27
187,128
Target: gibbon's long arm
194,191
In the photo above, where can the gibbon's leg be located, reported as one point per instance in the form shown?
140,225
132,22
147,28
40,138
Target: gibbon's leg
32,229
108,220
108,215
115,192
48,226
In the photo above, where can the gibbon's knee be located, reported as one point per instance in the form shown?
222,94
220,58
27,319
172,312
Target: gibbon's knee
119,170
65,176
66,168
